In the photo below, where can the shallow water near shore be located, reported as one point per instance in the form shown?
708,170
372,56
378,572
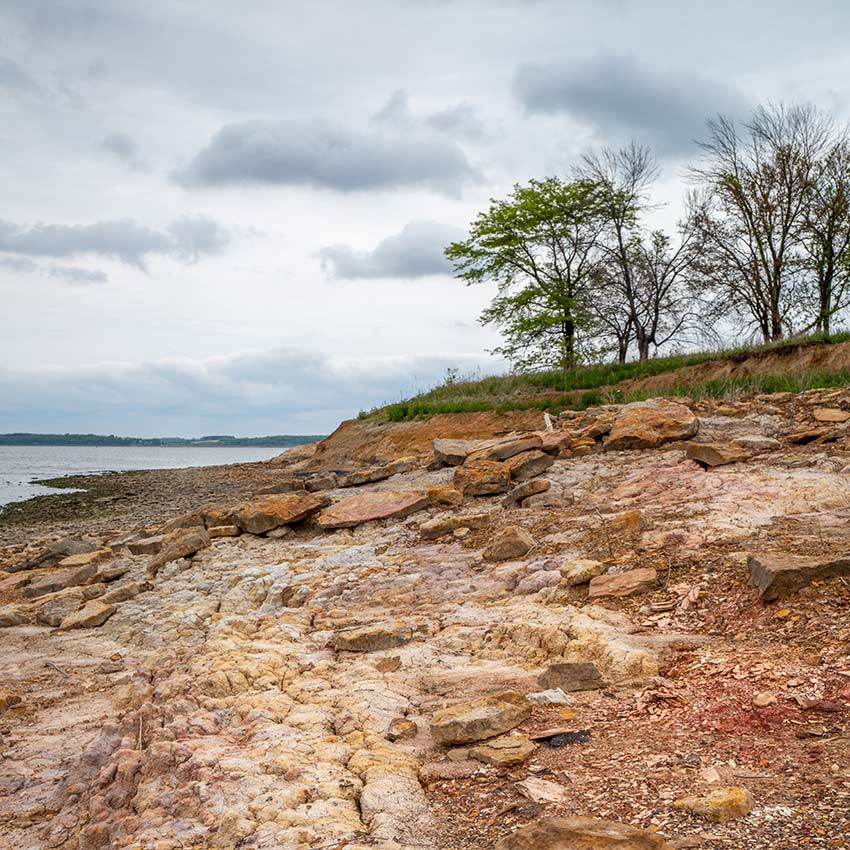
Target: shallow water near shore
22,466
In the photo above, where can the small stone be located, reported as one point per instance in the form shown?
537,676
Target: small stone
373,637
504,750
223,531
91,615
709,455
830,414
83,559
757,443
553,696
447,523
764,699
401,728
7,700
628,583
323,481
279,533
511,542
543,791
148,545
722,805
627,522
388,665
482,718
441,771
524,491
461,533
445,495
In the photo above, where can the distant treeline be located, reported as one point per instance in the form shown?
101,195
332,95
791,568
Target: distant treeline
276,441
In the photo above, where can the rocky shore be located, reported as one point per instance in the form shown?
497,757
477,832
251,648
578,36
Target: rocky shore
630,631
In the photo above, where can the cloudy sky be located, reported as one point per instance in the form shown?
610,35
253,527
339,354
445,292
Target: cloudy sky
225,217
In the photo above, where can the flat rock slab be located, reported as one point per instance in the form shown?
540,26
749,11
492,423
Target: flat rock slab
367,507
709,455
270,512
376,473
182,545
525,491
649,424
447,523
623,584
571,676
581,833
483,478
59,580
505,449
504,750
777,574
91,615
479,719
453,452
529,464
83,559
373,637
831,414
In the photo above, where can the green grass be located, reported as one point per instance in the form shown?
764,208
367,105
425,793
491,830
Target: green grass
588,386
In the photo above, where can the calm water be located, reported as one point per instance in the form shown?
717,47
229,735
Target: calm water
21,465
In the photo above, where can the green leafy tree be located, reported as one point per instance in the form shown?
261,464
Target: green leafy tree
541,247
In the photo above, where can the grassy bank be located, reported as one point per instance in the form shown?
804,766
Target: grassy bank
587,386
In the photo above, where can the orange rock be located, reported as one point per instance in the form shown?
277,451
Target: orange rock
270,512
623,584
366,507
649,424
482,478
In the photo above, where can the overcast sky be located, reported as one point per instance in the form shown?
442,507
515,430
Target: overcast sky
224,217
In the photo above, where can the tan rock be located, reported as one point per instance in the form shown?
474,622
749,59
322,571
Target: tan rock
757,443
709,455
525,490
511,542
8,700
401,729
453,452
571,676
530,464
223,531
92,614
649,424
377,473
148,545
721,805
388,665
445,495
505,449
830,414
487,717
123,592
581,833
59,580
83,559
764,698
777,574
623,584
482,478
185,544
366,507
262,515
580,571
53,608
542,791
555,442
373,637
447,523
504,750
322,481
14,615
628,522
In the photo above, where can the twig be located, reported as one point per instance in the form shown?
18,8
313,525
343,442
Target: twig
57,668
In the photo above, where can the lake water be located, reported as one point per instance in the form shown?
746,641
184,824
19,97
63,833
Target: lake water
20,466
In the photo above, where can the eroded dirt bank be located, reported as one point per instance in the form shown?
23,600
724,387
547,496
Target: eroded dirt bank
274,671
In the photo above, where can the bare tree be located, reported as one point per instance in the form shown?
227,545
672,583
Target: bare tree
826,233
751,213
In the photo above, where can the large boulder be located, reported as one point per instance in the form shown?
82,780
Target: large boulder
479,719
367,507
581,833
59,580
649,424
776,574
482,478
270,512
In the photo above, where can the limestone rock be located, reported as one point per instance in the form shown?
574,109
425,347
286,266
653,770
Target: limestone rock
479,719
580,571
571,676
453,452
14,615
483,478
123,592
148,545
55,552
52,609
649,424
721,805
182,546
366,507
525,490
83,559
262,515
542,791
373,637
8,700
529,464
59,580
377,473
92,614
709,455
776,574
447,523
504,750
505,449
511,542
623,584
581,833
552,696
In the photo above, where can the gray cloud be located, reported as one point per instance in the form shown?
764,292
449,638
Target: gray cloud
327,156
126,149
15,79
417,251
284,390
460,120
74,274
133,244
620,97
19,265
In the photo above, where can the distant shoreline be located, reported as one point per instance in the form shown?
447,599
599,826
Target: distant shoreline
281,441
